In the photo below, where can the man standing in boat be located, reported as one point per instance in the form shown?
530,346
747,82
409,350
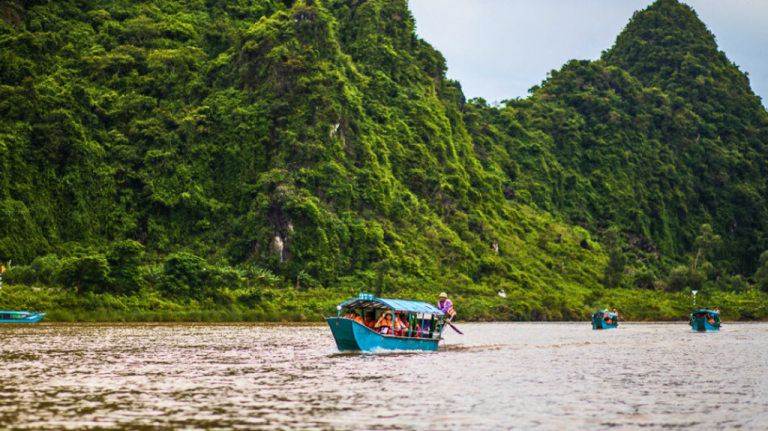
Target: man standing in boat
446,306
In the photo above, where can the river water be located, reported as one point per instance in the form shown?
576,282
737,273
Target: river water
282,377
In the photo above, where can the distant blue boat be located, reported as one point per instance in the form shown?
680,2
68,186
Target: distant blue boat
705,320
20,316
425,325
605,320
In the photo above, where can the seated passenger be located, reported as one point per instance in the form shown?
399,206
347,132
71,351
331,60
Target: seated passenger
400,326
370,319
404,325
351,315
384,325
354,316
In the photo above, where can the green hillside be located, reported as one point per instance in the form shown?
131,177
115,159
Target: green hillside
266,159
658,138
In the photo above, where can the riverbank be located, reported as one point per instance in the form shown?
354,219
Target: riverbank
289,305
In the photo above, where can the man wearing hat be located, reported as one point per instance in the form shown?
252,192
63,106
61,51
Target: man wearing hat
445,305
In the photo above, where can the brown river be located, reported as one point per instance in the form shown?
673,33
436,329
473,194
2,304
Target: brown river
284,377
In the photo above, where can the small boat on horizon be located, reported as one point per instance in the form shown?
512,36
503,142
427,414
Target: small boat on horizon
705,320
605,320
423,331
20,316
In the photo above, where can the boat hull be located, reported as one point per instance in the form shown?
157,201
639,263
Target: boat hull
32,318
601,324
700,324
352,336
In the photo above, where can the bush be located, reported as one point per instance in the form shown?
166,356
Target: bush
644,279
736,284
46,267
761,275
124,259
678,279
85,274
20,275
183,276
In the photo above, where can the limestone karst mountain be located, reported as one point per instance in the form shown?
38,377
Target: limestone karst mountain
231,152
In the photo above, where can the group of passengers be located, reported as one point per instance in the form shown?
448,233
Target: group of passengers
609,318
385,325
400,326
713,319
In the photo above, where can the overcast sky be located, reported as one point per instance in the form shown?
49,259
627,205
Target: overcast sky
498,49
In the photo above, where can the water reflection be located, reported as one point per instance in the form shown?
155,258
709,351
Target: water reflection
532,376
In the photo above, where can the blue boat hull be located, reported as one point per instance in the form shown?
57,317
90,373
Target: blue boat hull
701,324
600,324
32,318
352,336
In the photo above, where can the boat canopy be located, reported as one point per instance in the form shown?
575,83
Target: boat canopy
16,312
602,313
703,311
394,304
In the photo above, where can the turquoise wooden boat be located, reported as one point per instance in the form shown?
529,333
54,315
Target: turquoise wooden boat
605,320
705,320
20,316
424,330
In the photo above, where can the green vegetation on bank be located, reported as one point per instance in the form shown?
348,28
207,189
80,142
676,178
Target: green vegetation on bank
311,305
266,159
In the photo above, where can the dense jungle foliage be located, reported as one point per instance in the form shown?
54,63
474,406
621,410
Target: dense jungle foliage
265,159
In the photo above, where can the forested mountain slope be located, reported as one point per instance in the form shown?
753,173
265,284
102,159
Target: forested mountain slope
281,155
659,137
307,142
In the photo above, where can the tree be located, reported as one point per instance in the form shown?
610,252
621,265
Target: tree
382,269
644,279
124,259
678,279
142,28
614,270
46,267
697,278
761,275
705,243
88,273
183,276
300,275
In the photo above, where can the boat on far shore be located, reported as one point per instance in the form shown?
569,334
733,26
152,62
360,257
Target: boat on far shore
705,320
20,316
605,320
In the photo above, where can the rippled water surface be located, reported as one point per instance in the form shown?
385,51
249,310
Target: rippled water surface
496,376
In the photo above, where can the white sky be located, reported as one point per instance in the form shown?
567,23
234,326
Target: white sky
498,49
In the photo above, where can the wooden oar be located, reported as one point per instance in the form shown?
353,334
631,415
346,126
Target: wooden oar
454,328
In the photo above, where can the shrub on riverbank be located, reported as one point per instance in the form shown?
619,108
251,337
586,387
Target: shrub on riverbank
312,305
